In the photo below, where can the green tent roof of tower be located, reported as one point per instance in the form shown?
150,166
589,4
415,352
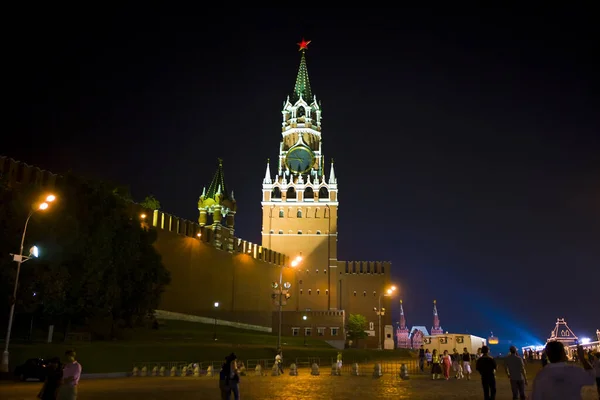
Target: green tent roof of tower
302,87
217,182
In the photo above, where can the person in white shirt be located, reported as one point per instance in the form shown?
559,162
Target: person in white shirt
559,380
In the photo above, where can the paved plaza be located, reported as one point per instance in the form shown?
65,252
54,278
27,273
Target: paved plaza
302,387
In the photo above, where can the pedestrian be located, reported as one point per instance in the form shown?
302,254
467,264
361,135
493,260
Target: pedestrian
560,380
486,366
436,369
53,376
428,357
229,378
597,370
279,362
422,358
70,377
339,360
466,362
515,370
544,359
456,364
446,364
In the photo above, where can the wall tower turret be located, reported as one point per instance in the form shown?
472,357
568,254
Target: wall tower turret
436,329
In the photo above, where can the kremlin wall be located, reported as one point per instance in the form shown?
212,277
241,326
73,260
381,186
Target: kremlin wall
209,264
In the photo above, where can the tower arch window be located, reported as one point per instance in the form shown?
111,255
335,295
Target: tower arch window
276,193
281,214
318,232
318,291
291,193
364,293
299,232
300,112
309,193
374,293
299,213
317,271
317,210
309,292
281,231
355,293
271,232
323,193
327,292
300,291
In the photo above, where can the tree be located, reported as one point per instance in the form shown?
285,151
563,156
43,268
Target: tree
98,263
150,203
356,327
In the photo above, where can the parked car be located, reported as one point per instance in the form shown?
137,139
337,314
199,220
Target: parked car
32,368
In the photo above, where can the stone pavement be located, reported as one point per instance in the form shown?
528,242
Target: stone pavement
302,387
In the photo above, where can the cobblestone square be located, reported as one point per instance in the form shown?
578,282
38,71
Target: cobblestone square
302,387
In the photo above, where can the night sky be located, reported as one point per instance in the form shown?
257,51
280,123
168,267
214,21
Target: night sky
467,148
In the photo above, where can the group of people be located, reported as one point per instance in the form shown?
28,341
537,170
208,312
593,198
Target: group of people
442,364
558,379
62,380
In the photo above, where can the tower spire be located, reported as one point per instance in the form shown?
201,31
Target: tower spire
402,334
332,178
436,329
268,173
402,319
302,86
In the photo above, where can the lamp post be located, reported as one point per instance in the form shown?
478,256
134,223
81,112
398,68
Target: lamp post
20,259
295,262
304,318
216,305
381,311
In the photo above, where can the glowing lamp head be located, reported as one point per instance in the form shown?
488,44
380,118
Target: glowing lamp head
393,288
299,259
585,340
143,216
50,198
304,317
34,251
198,234
294,263
389,291
216,304
43,206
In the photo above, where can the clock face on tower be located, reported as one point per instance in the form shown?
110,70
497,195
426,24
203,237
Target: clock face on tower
300,159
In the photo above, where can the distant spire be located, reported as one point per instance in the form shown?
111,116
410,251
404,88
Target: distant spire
268,173
302,87
217,185
332,179
402,319
436,329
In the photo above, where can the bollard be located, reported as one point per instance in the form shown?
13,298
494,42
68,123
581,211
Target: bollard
155,370
144,371
135,371
258,370
275,370
293,370
404,372
174,371
242,369
197,370
377,371
314,370
184,370
355,369
209,371
161,371
335,369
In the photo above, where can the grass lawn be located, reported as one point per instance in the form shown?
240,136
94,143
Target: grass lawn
190,342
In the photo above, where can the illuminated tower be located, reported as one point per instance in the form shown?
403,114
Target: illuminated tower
216,205
299,202
402,334
436,329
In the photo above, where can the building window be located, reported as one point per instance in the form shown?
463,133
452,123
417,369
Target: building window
307,331
291,193
318,232
327,292
299,232
299,214
324,271
295,331
365,293
281,214
309,292
276,193
317,271
355,293
374,293
300,291
318,291
320,331
371,326
271,232
281,232
334,331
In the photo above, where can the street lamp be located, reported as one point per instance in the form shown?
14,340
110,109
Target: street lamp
281,287
216,305
381,311
20,259
304,317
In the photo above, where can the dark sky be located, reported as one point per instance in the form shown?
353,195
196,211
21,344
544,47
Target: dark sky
467,146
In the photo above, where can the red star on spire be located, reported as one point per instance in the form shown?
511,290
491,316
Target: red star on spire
303,44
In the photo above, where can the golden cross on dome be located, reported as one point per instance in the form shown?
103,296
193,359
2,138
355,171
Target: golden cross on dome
303,44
